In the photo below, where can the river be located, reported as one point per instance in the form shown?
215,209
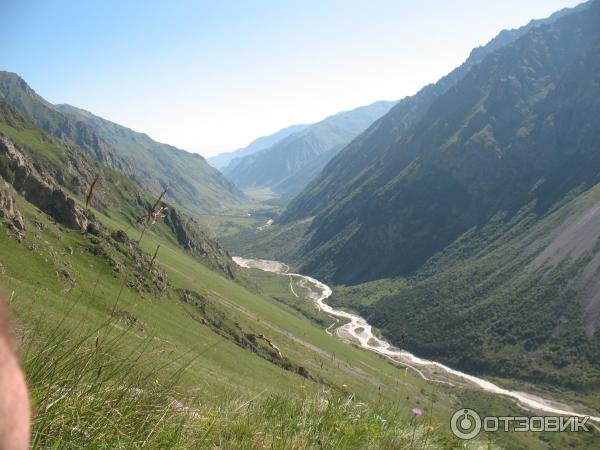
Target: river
358,330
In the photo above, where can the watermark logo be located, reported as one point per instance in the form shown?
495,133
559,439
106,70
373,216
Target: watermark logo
467,423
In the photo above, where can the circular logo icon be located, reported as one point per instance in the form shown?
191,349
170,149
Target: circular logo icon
465,424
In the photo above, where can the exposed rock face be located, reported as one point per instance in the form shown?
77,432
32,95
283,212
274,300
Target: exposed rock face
120,236
129,261
42,192
8,208
9,211
18,221
192,238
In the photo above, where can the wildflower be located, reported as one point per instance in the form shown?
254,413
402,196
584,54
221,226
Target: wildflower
344,385
302,386
157,382
430,429
417,412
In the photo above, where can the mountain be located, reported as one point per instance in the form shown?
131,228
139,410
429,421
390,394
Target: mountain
56,178
193,184
287,166
223,159
481,193
430,169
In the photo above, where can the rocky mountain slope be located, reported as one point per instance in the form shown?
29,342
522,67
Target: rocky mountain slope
193,184
452,156
287,166
57,178
477,200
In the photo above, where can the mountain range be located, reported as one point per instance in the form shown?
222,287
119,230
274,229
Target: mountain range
222,160
446,153
289,164
193,185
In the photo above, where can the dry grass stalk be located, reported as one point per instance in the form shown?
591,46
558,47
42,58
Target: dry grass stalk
154,214
90,193
155,254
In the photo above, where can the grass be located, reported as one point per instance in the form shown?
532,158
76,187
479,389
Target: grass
155,349
278,288
232,222
280,242
261,194
104,393
87,397
37,142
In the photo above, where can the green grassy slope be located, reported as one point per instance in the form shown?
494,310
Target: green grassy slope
514,300
218,376
194,185
53,276
105,324
113,341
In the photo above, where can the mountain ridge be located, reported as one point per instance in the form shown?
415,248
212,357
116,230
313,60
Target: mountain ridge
288,165
371,162
222,160
193,184
56,178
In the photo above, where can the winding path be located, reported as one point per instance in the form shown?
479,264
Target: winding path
358,330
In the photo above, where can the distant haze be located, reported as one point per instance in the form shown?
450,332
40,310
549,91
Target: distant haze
212,76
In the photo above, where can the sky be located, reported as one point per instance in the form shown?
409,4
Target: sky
211,76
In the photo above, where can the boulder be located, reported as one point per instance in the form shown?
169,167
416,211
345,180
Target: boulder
7,206
18,221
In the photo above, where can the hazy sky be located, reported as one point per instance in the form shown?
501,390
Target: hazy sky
211,76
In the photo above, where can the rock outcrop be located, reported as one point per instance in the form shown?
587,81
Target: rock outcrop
8,208
191,237
39,190
9,211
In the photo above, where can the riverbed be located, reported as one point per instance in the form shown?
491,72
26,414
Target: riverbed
357,330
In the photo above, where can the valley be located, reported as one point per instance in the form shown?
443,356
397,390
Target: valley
396,265
463,224
357,330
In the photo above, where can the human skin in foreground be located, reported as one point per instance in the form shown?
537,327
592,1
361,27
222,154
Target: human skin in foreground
15,415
